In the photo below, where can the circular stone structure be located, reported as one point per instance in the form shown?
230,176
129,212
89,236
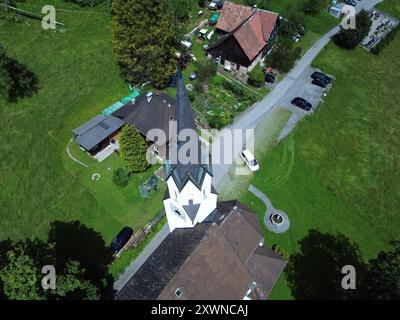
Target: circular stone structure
277,221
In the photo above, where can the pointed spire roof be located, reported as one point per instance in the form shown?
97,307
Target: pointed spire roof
194,169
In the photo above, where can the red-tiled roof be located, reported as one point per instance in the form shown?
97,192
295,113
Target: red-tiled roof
254,34
232,15
251,27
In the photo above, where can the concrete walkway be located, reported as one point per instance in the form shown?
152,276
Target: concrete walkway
270,211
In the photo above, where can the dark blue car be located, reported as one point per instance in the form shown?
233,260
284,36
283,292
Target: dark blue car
120,240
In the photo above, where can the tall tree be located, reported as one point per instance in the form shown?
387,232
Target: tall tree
351,38
284,54
382,281
20,276
144,40
133,149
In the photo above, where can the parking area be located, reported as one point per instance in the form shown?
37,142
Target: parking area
303,88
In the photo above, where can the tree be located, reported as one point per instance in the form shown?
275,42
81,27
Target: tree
16,80
133,149
284,54
351,38
382,281
256,77
313,6
71,284
20,276
206,70
144,40
315,272
121,177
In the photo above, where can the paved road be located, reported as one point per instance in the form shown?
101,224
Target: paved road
250,119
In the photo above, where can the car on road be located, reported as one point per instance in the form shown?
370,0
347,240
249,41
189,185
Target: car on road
193,76
250,161
269,78
321,76
302,103
121,239
350,2
320,83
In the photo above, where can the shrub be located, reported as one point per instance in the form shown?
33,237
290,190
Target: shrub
276,248
121,177
313,6
256,77
133,149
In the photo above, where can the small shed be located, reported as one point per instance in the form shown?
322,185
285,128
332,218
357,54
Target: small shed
97,133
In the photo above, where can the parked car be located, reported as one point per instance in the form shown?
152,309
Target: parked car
302,103
269,78
321,76
350,2
193,76
216,5
320,83
186,44
250,161
121,239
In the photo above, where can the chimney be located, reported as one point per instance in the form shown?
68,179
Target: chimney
149,96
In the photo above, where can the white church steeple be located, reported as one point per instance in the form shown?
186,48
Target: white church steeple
191,197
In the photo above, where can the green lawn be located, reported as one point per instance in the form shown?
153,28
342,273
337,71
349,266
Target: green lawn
78,77
338,172
391,7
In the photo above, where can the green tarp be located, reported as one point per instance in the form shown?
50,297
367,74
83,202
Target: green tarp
119,104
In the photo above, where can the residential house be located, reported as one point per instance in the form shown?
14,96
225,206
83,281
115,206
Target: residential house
150,111
247,35
99,135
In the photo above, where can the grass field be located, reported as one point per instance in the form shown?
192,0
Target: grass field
78,77
339,170
391,7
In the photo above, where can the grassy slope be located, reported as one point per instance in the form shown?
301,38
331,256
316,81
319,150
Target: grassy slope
78,78
391,7
339,171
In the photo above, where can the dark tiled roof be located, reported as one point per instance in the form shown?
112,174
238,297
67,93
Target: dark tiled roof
218,259
146,116
162,265
97,129
266,266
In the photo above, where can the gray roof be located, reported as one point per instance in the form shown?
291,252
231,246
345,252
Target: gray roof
185,116
97,129
191,210
145,115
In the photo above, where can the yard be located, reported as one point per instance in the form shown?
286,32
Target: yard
78,77
338,171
